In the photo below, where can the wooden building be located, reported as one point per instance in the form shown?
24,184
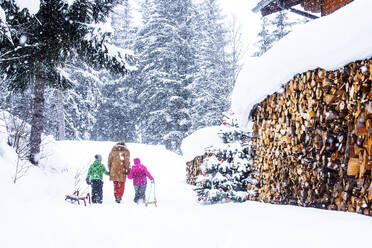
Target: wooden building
324,7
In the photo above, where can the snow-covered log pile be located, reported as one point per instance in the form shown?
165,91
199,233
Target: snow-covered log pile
314,140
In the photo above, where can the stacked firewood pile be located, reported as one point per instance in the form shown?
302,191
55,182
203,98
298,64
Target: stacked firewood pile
193,169
314,140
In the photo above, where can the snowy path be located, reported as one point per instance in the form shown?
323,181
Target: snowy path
46,220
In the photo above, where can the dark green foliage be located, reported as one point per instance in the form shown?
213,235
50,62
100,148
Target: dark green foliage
41,44
53,36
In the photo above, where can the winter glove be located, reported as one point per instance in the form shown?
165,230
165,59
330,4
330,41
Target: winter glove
88,181
152,181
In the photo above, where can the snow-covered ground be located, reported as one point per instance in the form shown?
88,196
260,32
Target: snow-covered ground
33,212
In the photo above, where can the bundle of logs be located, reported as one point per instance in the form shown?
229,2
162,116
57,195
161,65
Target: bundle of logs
193,169
314,140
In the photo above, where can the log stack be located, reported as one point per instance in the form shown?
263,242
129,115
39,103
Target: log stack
193,169
314,140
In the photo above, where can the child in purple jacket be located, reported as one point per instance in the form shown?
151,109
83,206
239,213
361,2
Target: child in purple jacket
138,173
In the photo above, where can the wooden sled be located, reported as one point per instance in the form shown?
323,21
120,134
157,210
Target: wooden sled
75,197
152,190
151,202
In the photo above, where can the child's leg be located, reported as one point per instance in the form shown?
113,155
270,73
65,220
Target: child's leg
136,194
94,191
143,192
140,191
99,191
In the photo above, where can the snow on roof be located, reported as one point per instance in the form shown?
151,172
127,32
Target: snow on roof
329,42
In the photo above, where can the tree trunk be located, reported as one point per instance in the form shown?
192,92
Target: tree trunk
37,117
61,116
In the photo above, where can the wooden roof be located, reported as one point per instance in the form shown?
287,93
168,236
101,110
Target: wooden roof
268,7
324,7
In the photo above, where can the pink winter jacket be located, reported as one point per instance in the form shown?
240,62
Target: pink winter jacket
138,173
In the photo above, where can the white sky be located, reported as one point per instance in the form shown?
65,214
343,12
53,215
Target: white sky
242,9
249,21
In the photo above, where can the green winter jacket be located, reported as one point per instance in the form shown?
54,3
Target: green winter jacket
96,171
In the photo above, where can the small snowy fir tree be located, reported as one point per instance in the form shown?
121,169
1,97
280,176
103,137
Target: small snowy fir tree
227,170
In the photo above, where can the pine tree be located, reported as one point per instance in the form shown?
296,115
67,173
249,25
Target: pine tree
79,104
116,117
274,28
45,41
282,25
164,72
213,81
227,171
116,113
124,28
265,41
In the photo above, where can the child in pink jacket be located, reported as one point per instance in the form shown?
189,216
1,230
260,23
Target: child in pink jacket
138,173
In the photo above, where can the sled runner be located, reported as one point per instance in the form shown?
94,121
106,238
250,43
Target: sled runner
76,198
151,202
148,202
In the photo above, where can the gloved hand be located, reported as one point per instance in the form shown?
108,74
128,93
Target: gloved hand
152,181
88,181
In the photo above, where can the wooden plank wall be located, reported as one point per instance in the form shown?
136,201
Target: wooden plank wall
312,5
315,6
314,140
330,6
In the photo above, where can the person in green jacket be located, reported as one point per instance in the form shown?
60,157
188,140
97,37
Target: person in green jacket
94,178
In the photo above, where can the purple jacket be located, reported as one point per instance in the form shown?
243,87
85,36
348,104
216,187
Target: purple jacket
138,173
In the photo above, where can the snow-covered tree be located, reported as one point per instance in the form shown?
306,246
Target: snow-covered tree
227,170
274,27
282,25
265,41
4,29
116,116
213,80
72,113
124,26
45,41
164,47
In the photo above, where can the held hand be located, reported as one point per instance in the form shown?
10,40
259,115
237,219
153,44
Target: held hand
88,181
